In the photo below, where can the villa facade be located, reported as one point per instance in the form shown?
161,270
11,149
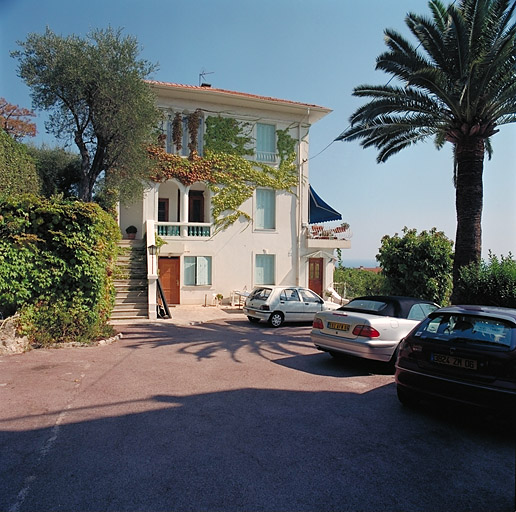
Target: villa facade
281,239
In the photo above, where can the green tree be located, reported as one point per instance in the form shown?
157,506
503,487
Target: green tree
17,170
456,85
354,282
95,91
418,265
58,169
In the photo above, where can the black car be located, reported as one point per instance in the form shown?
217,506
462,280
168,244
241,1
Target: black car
462,353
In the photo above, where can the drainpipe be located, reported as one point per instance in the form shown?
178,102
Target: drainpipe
299,205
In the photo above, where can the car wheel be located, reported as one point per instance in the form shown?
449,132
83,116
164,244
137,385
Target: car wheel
407,397
253,320
276,319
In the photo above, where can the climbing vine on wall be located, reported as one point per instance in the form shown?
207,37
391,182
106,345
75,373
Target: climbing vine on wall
227,135
231,178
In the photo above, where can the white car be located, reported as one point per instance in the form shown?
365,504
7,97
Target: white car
370,327
278,304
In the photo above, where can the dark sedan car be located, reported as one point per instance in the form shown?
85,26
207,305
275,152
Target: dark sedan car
461,353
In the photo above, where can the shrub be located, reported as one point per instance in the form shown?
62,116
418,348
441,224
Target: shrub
418,265
57,258
490,283
17,169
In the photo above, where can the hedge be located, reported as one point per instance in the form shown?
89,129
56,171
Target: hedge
57,259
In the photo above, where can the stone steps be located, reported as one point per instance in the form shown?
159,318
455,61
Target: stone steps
131,282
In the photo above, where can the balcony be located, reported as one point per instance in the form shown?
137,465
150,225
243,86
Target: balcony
183,230
319,237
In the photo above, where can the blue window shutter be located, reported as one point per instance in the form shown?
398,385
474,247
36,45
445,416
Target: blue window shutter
265,216
265,142
264,271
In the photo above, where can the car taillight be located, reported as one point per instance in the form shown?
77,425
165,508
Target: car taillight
366,331
318,324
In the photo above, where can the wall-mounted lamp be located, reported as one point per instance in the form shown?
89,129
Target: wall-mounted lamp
153,250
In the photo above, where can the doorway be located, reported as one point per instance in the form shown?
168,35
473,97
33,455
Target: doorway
169,274
315,275
196,206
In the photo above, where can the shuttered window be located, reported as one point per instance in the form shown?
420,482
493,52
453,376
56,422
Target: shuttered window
265,142
197,270
265,215
265,269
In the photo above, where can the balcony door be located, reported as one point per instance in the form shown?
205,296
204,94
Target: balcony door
196,206
169,275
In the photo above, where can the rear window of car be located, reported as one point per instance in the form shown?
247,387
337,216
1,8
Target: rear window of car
260,294
476,330
372,306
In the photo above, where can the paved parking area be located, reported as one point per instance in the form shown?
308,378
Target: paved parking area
223,415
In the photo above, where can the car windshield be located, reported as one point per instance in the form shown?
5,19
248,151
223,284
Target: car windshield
469,329
260,294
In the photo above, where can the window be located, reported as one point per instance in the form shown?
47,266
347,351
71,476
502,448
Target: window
197,270
182,119
420,311
289,294
265,217
309,296
264,271
265,142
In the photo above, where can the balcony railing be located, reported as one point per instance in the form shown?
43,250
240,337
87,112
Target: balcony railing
183,230
336,233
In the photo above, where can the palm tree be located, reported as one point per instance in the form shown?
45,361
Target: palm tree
457,85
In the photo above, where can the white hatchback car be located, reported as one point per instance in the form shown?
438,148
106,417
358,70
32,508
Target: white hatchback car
278,304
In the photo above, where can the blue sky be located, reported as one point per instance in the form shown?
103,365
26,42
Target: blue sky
313,51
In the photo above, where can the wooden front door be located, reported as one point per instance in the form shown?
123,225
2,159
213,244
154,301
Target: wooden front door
315,275
169,277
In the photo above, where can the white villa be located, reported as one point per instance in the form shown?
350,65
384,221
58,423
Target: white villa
284,243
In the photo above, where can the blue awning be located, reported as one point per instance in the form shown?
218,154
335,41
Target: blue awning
319,211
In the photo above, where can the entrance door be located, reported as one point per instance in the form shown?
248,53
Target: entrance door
169,277
315,275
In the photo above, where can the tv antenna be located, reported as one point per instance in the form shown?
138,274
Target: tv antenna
202,75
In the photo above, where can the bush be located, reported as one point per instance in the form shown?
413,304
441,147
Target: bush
490,283
57,259
354,282
418,265
18,173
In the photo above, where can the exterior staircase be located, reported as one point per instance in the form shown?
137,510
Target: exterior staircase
131,282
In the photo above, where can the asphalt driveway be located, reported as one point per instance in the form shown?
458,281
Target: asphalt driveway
229,416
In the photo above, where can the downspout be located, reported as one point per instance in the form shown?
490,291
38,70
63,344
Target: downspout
300,201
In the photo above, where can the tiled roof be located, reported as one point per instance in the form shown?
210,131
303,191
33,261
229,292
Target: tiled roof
233,93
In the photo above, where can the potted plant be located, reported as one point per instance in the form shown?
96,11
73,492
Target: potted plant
131,232
219,298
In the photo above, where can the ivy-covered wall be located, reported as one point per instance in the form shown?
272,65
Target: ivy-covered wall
57,259
224,167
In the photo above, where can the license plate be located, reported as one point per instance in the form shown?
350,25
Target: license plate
338,326
457,362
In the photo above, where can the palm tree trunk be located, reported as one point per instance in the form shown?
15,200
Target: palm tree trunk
469,154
